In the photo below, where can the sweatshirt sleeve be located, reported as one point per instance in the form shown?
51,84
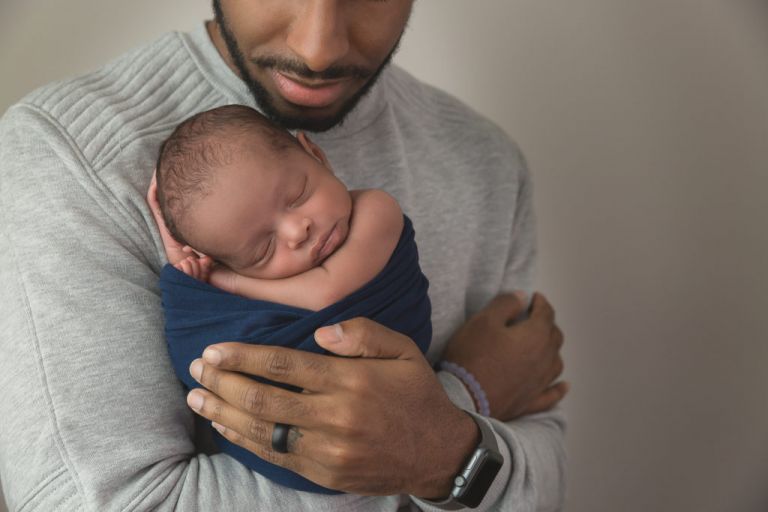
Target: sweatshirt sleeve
92,416
532,477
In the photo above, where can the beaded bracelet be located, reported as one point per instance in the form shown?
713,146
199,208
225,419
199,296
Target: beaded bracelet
471,384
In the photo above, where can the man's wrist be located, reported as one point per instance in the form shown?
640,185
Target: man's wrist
463,437
478,474
471,384
457,392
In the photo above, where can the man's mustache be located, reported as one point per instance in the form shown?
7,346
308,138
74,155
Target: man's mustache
301,70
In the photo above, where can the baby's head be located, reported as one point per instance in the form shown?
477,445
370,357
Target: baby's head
239,189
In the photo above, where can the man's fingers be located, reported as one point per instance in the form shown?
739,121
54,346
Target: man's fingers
362,337
506,306
247,429
542,309
291,461
252,434
313,372
209,406
557,369
548,399
264,401
557,334
300,463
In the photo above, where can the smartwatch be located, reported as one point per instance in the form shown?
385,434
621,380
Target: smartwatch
475,478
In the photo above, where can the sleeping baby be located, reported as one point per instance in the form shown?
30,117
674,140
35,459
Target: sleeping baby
274,247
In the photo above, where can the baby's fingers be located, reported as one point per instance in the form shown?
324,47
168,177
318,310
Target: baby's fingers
206,264
189,266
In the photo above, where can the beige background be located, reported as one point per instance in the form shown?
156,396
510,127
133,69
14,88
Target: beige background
645,124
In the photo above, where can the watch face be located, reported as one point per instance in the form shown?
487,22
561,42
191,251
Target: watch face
478,477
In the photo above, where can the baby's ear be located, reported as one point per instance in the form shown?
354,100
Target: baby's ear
189,250
313,149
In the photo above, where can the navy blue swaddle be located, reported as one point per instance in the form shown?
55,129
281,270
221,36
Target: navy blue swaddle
198,314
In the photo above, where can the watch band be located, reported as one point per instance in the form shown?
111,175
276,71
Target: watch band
477,474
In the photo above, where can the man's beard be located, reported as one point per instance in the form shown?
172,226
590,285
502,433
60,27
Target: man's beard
265,100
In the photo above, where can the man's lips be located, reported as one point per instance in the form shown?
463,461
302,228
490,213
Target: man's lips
309,94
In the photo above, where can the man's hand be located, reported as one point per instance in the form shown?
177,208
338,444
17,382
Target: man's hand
375,422
515,364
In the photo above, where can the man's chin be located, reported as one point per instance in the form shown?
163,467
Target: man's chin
312,120
298,117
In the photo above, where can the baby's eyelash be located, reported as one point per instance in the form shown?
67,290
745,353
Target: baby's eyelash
303,191
267,253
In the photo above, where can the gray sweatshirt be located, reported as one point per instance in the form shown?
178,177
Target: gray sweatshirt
91,414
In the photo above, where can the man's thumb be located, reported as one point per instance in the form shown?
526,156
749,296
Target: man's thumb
361,337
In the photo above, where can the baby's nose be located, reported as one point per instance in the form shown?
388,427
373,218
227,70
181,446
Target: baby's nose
299,233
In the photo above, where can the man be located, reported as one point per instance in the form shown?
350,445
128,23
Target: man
92,414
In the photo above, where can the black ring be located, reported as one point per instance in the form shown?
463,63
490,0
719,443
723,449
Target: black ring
280,437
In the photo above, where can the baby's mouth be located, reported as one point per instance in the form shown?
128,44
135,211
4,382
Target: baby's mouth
325,245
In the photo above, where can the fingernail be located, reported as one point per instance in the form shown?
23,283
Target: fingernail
329,334
212,356
195,401
521,295
220,428
196,369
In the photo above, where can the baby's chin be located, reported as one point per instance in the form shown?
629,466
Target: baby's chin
343,232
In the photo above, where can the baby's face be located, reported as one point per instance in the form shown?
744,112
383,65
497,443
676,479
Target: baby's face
272,215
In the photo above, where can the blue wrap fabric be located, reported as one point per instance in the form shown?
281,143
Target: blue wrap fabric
198,314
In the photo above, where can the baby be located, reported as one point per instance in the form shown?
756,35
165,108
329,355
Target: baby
267,207
265,245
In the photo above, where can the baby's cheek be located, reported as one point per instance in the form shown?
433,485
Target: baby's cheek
289,264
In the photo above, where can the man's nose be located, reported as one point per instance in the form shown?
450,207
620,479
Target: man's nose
318,34
296,231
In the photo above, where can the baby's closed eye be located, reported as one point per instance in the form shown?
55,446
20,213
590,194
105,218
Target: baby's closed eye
264,254
303,195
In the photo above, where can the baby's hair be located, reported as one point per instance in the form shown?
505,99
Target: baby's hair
197,147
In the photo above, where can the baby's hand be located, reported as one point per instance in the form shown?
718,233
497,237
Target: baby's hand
249,287
199,268
229,281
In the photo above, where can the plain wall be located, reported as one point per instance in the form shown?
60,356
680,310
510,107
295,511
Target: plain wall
645,124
